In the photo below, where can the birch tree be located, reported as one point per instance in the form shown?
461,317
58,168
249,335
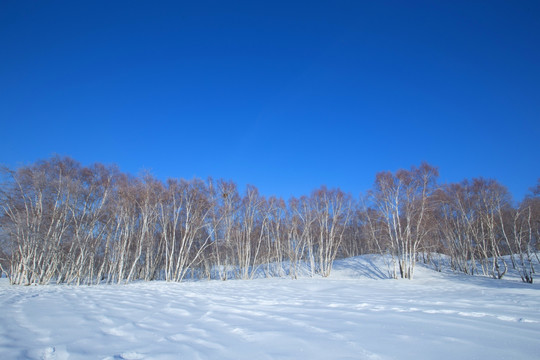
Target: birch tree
36,219
404,199
332,210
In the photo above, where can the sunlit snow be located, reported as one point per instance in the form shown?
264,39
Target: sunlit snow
355,314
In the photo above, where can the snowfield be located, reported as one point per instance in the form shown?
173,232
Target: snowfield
355,314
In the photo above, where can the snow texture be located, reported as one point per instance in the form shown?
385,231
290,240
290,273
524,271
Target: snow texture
357,313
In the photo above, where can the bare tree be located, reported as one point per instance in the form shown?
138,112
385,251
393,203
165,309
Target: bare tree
275,235
332,211
91,188
404,199
61,222
36,218
223,220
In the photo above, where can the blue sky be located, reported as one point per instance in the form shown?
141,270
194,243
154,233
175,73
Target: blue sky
283,95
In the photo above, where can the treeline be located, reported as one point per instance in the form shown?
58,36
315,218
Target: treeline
65,223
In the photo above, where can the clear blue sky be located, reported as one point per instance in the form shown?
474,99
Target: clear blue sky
284,95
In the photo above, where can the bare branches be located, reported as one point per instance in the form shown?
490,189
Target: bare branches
65,223
405,202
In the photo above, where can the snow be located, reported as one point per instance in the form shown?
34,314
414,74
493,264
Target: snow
357,313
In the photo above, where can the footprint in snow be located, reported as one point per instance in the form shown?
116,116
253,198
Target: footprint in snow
48,353
130,355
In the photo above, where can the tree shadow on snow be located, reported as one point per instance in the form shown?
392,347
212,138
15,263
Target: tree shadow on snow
364,267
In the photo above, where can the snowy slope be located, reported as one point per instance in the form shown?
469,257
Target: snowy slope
355,314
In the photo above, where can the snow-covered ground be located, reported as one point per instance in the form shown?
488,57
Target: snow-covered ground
354,314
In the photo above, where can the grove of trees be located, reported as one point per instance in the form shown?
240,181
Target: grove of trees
63,222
